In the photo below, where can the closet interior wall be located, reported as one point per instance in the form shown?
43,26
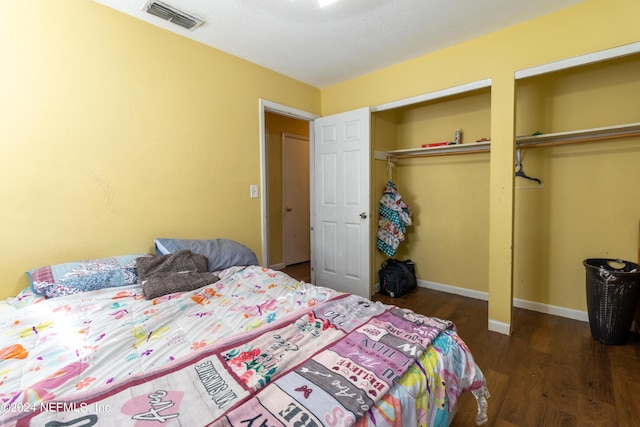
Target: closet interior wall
589,206
448,195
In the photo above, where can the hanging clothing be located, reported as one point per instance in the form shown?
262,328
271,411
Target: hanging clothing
395,215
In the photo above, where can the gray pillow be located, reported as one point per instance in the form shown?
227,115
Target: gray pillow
220,253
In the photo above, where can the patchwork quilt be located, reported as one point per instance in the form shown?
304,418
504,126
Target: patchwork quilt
255,348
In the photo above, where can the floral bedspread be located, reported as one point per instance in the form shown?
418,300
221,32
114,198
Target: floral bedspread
97,342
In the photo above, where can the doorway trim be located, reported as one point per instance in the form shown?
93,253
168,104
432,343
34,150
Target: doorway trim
284,110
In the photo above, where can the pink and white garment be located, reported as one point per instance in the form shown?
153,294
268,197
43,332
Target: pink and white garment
395,215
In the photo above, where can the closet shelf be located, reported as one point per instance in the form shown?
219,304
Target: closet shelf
445,150
627,130
583,135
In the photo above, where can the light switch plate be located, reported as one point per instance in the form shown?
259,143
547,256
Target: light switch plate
253,191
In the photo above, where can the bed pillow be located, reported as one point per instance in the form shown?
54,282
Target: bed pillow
81,276
220,253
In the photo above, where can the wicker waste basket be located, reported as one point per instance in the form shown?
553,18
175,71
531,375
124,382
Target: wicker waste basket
613,287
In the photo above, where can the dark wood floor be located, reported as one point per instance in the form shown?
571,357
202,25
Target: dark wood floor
549,372
299,271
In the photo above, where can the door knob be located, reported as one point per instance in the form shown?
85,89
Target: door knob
363,215
289,209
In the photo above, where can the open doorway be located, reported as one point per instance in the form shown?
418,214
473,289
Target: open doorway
339,165
287,162
296,203
284,126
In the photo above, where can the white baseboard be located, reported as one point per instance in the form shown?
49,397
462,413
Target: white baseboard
500,327
494,325
454,290
552,309
278,267
517,302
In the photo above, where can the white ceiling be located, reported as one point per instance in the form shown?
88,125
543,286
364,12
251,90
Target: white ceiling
328,45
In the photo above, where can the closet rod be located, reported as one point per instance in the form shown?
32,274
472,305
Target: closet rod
606,133
576,141
447,153
628,130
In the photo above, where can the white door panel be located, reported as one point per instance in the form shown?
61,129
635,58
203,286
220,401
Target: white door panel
342,152
328,171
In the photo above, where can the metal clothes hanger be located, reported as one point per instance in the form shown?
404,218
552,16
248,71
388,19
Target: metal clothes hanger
520,173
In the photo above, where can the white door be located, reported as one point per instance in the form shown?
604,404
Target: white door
295,196
341,192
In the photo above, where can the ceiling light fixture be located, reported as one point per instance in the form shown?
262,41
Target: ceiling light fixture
323,3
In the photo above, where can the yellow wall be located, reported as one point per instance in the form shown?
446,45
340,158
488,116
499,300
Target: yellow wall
384,135
588,27
468,213
115,132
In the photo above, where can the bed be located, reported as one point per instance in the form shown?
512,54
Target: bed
254,348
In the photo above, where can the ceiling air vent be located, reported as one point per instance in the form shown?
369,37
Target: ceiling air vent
171,14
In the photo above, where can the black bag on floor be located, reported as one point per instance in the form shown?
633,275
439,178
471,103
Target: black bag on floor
397,277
